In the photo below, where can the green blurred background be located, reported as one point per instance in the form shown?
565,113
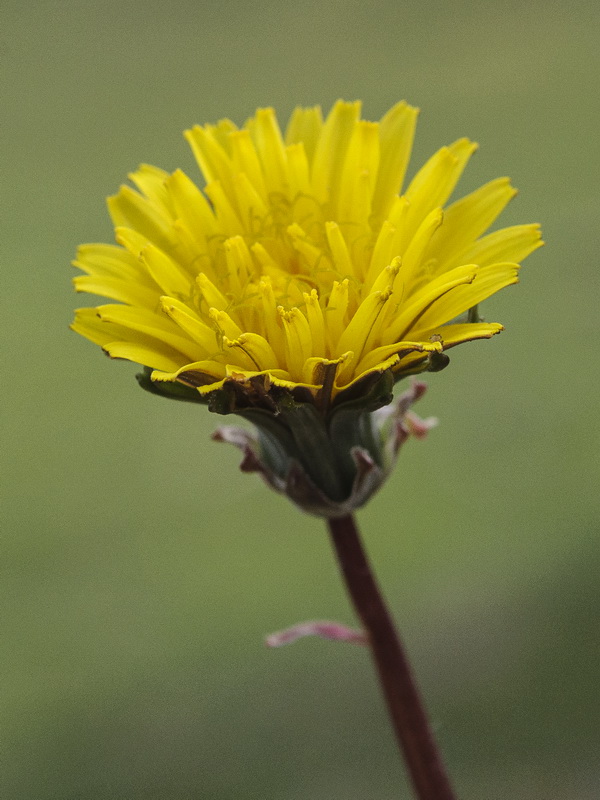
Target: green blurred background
141,570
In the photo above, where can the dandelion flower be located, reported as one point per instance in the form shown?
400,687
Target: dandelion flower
302,259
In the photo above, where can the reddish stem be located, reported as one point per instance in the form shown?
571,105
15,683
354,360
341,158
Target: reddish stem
401,693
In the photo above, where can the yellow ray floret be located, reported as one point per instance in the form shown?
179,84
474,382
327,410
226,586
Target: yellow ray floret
303,255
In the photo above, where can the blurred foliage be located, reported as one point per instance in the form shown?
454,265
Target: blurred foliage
141,570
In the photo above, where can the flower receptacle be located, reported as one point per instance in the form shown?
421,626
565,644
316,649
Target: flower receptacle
328,465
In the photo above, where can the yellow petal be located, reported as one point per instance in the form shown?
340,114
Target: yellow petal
130,209
245,160
212,158
469,218
125,291
239,264
304,128
316,323
392,241
314,256
151,182
271,150
451,335
258,352
252,208
433,184
222,132
508,244
227,214
361,326
197,374
339,250
360,374
357,179
335,313
211,294
387,276
396,134
331,148
166,272
157,356
133,241
87,323
110,261
191,206
272,320
379,355
362,330
115,339
188,321
139,320
417,305
298,340
225,323
412,260
488,280
298,170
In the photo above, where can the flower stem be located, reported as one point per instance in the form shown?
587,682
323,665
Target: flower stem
402,696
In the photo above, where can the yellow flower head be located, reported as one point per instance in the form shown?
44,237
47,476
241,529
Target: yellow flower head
302,259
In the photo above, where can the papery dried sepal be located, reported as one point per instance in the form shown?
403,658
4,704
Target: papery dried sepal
334,631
